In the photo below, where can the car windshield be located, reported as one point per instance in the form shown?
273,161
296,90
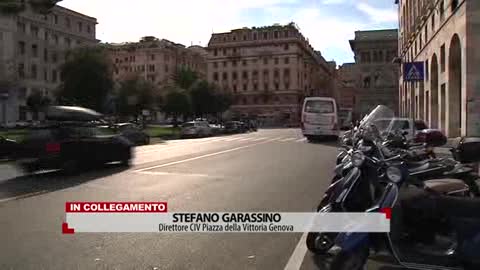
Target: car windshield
319,106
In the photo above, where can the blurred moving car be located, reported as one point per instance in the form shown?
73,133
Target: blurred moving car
70,145
407,125
196,129
7,147
134,133
232,127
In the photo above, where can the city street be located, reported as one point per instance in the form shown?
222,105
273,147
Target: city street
268,170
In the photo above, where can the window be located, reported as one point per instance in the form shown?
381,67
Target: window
234,75
375,57
265,35
21,47
166,68
276,61
234,88
286,74
287,60
265,74
433,21
45,35
89,29
34,31
275,34
265,86
255,87
265,61
215,52
55,38
286,33
287,86
245,75
441,10
244,62
286,47
45,55
54,57
45,75
442,58
366,82
54,76
21,70
254,36
365,57
68,22
224,76
277,86
319,106
55,19
215,76
68,42
80,27
244,88
35,50
34,71
224,51
215,65
426,69
380,56
21,26
224,63
275,73
234,63
152,57
244,37
234,50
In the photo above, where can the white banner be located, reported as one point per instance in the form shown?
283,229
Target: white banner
238,222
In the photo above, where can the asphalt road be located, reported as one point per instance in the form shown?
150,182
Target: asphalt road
268,170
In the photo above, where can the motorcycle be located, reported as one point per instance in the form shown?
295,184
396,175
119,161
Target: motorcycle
452,223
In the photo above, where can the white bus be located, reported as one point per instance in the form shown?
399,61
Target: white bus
320,118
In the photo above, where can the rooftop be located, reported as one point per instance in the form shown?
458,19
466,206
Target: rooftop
385,34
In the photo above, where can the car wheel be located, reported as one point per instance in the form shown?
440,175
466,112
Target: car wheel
126,159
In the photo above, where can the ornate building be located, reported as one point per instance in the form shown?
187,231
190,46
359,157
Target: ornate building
269,70
32,49
156,60
376,73
443,34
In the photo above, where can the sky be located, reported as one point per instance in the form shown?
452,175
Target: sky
327,24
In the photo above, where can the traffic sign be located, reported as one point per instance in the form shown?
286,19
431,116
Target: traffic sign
413,71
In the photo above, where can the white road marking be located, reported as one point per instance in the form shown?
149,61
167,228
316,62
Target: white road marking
288,139
301,140
246,139
296,260
199,157
276,139
259,139
234,139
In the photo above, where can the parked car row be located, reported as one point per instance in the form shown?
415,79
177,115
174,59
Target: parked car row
201,128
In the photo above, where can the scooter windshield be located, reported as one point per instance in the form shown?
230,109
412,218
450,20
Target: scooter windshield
378,121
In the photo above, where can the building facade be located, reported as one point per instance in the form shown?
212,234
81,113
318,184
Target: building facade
32,49
347,85
444,35
268,70
376,74
155,60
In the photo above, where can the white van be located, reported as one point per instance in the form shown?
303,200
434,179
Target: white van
320,117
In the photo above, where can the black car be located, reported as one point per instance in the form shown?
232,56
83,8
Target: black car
235,127
133,133
70,146
7,147
70,142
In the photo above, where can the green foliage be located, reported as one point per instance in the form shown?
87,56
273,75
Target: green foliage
86,79
135,94
185,78
18,6
177,103
37,101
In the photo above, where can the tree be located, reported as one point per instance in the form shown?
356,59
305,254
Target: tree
135,94
203,99
177,103
18,6
36,101
86,79
185,78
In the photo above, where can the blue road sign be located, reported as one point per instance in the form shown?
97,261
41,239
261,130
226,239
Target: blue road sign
413,71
